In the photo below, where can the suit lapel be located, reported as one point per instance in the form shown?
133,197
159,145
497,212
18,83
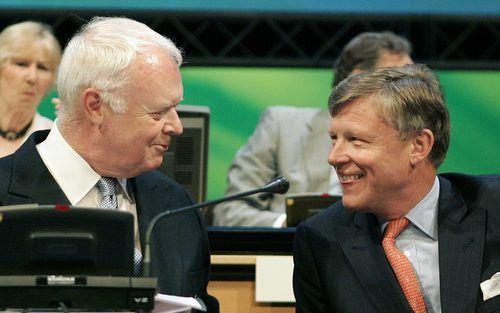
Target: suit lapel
31,180
315,149
461,244
362,247
151,197
146,205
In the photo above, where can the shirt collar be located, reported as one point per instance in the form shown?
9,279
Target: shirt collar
424,214
71,172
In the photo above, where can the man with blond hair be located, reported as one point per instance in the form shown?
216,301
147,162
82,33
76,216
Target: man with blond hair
403,238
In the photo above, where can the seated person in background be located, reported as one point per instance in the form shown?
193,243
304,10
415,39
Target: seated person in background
119,85
390,131
29,57
293,142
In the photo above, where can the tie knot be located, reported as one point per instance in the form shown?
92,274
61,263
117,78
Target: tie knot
107,186
395,227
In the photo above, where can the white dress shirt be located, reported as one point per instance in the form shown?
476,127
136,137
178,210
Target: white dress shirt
77,179
419,242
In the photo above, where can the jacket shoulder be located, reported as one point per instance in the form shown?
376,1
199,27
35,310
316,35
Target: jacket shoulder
5,174
287,112
468,184
476,189
174,190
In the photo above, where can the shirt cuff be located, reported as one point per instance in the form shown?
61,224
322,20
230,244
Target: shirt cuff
279,222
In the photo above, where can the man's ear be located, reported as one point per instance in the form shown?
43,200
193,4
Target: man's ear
421,146
93,105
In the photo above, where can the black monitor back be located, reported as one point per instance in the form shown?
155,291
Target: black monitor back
186,160
300,207
61,240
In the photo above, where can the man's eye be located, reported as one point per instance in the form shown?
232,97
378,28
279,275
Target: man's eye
22,63
157,115
357,141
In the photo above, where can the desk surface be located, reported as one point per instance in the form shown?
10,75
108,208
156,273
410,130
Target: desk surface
237,292
230,259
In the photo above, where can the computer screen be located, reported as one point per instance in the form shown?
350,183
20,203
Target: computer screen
186,158
299,207
61,240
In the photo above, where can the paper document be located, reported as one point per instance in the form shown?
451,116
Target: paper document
176,304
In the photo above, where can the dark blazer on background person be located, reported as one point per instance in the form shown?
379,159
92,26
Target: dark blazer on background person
24,179
340,265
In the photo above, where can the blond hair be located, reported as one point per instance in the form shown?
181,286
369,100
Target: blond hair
27,36
409,98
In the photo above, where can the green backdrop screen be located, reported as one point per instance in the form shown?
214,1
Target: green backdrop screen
238,95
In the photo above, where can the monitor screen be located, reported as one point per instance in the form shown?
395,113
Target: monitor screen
187,156
61,240
299,207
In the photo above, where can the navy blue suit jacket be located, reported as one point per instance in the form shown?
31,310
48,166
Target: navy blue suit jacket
340,265
179,245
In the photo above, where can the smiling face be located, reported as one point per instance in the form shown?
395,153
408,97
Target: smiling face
372,162
136,139
25,78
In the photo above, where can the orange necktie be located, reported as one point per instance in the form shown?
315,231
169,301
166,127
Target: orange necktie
402,266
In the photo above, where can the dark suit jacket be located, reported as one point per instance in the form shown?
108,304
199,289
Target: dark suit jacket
180,253
340,265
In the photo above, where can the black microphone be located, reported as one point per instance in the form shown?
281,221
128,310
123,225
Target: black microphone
278,185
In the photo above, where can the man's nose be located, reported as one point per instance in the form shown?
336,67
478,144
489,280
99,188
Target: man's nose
338,154
173,125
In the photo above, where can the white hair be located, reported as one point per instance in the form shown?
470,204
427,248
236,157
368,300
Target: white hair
99,55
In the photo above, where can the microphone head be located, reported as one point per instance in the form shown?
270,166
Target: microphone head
278,185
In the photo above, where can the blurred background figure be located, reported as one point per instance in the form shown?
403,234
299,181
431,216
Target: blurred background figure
294,142
29,57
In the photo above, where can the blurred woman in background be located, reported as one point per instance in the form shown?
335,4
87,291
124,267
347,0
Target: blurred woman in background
29,57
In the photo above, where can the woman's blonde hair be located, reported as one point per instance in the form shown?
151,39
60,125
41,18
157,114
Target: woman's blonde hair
26,36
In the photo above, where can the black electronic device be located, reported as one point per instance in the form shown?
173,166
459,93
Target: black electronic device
62,256
81,293
299,207
65,240
186,158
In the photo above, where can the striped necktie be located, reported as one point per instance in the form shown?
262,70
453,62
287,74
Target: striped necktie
107,188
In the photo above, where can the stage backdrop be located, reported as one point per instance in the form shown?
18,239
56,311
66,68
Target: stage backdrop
237,96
